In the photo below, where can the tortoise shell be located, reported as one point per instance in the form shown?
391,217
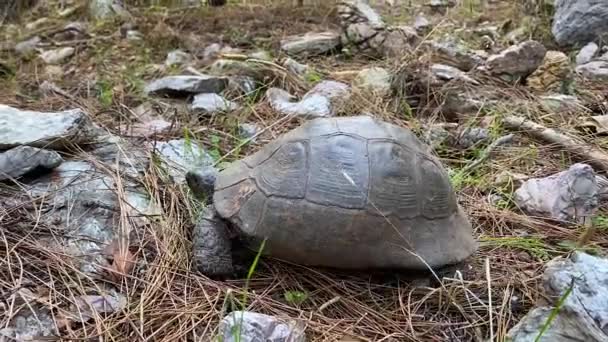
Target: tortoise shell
348,192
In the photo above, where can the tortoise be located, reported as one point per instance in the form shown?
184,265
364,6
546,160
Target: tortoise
350,193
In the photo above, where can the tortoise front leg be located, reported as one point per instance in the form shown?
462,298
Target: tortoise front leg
212,245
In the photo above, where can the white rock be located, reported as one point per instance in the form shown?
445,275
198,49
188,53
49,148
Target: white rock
177,57
583,313
568,195
587,53
57,56
374,80
134,35
295,67
312,43
320,101
20,160
41,129
256,327
28,46
359,11
211,103
595,70
186,84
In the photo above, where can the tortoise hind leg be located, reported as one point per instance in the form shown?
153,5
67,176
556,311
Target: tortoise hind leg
211,245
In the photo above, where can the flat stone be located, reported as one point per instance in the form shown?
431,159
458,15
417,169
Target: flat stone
21,160
568,195
518,60
587,53
311,44
560,103
57,56
449,73
470,136
211,103
583,313
256,327
454,54
374,80
579,21
186,85
41,129
595,70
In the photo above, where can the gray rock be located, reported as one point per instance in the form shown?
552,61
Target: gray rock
57,56
448,73
179,156
436,136
583,313
421,24
256,327
579,21
310,107
559,103
454,54
359,11
595,70
106,9
31,323
248,130
177,57
211,103
311,44
373,80
587,53
320,101
518,60
241,85
83,199
472,135
21,160
186,85
441,3
294,66
27,47
568,195
48,130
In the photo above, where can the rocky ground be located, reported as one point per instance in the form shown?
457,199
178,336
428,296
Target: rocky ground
103,108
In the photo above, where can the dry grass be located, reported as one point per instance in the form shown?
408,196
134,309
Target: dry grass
169,302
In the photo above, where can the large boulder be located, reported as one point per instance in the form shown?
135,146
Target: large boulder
579,21
581,283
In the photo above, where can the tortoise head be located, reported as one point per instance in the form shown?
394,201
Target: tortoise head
202,181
